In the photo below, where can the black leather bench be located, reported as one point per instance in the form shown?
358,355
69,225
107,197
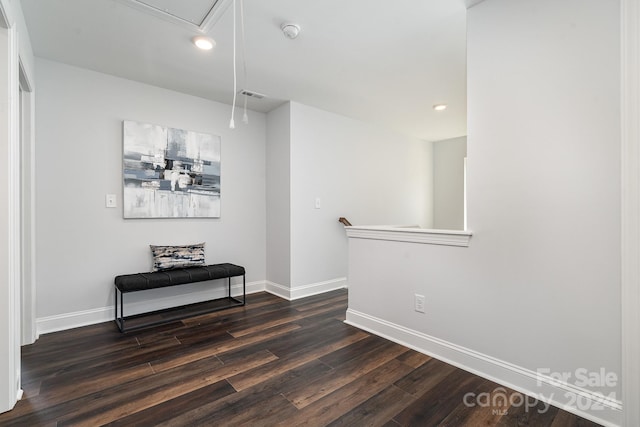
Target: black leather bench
179,276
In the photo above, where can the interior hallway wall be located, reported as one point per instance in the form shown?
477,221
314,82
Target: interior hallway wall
366,173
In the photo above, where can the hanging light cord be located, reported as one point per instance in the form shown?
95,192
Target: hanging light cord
245,117
232,124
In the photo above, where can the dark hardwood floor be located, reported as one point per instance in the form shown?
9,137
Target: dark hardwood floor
273,362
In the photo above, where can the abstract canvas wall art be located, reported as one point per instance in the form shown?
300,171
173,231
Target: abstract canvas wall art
170,173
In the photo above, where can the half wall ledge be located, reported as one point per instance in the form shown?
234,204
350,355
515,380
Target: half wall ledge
411,234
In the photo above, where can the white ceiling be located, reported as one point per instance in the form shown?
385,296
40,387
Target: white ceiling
386,62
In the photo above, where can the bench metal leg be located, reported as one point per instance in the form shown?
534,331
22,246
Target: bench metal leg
119,319
122,311
244,292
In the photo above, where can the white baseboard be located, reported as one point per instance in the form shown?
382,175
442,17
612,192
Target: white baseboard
579,401
304,291
277,290
77,319
318,288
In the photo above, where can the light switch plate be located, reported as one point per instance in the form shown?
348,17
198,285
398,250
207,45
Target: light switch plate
110,201
419,301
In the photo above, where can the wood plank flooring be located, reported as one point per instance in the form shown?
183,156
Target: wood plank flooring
271,363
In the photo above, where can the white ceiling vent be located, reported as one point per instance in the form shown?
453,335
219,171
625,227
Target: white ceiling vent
251,94
193,14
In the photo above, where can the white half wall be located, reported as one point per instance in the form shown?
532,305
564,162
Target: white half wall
539,286
81,244
357,170
448,183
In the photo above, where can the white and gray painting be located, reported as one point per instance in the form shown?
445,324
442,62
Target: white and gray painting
170,173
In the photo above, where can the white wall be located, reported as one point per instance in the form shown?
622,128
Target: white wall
363,172
448,183
279,196
539,286
81,245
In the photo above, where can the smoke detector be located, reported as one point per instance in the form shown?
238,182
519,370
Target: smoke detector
290,31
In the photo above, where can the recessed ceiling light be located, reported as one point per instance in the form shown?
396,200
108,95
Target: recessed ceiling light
440,107
203,42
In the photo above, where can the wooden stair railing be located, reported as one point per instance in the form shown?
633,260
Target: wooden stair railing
344,221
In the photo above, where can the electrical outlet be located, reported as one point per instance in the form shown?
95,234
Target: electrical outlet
317,202
419,303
